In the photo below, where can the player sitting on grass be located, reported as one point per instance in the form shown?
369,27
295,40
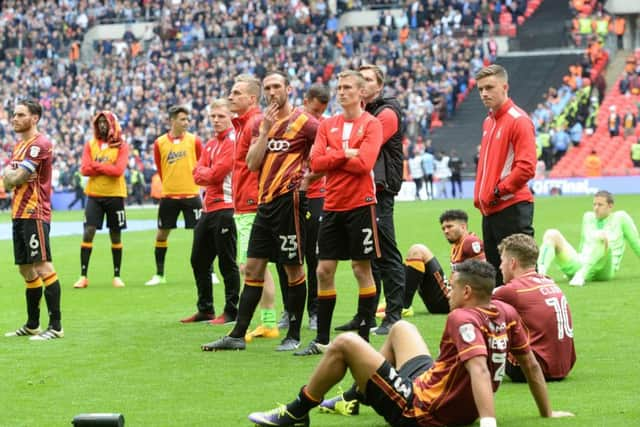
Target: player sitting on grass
403,383
541,304
423,271
602,244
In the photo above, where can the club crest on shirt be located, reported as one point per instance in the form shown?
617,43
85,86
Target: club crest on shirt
34,151
360,131
467,332
476,247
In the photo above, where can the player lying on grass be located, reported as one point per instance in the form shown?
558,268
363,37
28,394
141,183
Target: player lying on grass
602,244
403,383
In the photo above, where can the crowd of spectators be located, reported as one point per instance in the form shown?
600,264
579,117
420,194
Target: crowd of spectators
192,50
591,21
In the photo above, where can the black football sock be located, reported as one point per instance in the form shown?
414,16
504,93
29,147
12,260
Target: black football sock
249,299
116,254
366,309
160,253
33,294
303,404
296,300
85,256
414,272
52,297
326,305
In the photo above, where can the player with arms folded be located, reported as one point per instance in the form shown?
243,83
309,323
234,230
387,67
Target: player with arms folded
104,161
29,176
346,149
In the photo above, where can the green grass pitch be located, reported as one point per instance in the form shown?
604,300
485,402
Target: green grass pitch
126,352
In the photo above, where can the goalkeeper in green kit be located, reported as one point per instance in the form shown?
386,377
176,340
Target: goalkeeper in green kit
602,244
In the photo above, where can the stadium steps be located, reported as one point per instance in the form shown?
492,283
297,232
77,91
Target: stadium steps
546,28
613,151
616,66
529,78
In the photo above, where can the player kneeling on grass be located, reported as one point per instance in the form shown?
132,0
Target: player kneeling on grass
542,306
602,244
402,382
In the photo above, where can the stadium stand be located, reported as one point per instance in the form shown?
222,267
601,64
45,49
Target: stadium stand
194,49
614,150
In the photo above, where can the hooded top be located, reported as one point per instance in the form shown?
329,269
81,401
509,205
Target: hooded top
104,162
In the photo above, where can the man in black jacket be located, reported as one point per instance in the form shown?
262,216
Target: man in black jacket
388,270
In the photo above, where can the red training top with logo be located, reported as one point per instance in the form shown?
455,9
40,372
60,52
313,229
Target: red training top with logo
443,395
545,313
32,199
245,182
507,159
214,170
288,146
350,182
468,247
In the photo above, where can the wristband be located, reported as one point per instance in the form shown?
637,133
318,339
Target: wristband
488,422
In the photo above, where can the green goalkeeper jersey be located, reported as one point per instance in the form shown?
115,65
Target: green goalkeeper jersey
618,227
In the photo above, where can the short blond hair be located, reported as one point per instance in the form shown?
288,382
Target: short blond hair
252,82
493,70
219,103
360,81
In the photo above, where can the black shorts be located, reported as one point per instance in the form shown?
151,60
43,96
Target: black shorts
111,207
30,241
349,235
390,397
277,233
169,210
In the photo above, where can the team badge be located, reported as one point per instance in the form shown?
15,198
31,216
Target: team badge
475,246
34,151
467,332
360,131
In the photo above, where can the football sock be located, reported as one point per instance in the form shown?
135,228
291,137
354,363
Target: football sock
352,393
433,289
283,281
52,297
85,256
160,253
547,254
268,317
116,254
414,271
303,404
296,300
249,299
326,305
366,309
33,294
